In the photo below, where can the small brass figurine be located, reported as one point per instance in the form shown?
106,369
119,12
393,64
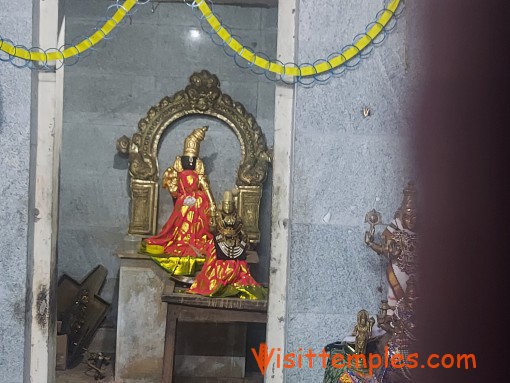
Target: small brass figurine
383,318
362,331
230,239
399,245
185,239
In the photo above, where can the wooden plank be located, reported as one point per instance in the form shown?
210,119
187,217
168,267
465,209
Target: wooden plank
169,353
201,314
241,3
217,303
61,352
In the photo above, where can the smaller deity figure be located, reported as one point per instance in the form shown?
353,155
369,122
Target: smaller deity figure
230,240
399,244
383,318
186,239
361,341
226,272
362,331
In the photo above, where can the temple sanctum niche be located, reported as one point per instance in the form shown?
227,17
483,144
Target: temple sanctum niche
223,191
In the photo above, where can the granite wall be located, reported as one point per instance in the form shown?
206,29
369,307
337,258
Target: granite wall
15,90
345,164
107,93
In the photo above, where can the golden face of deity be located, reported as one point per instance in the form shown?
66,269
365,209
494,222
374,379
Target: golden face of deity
363,317
409,219
227,206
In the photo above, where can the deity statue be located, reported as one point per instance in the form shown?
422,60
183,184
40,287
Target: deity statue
362,331
399,245
226,272
363,341
230,240
186,239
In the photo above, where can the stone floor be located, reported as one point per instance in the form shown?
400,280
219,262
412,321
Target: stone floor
83,374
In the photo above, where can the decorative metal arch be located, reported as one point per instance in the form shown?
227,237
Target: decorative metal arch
201,97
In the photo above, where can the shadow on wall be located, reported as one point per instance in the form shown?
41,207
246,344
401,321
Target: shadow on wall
1,113
121,162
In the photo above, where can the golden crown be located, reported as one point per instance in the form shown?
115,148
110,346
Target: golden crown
227,196
409,201
192,142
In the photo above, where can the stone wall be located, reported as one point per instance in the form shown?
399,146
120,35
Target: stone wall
15,90
345,164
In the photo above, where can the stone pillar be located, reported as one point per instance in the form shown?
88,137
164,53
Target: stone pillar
141,320
281,200
40,336
15,90
29,134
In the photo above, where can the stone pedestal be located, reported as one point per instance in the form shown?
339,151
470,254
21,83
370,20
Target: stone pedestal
141,320
203,350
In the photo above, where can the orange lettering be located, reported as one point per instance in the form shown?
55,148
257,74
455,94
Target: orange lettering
412,360
395,359
452,361
262,357
371,363
334,360
429,363
289,358
357,358
465,358
324,356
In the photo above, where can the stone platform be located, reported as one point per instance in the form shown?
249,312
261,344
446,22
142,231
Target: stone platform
141,326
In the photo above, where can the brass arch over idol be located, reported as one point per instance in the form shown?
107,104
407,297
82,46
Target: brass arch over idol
202,97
